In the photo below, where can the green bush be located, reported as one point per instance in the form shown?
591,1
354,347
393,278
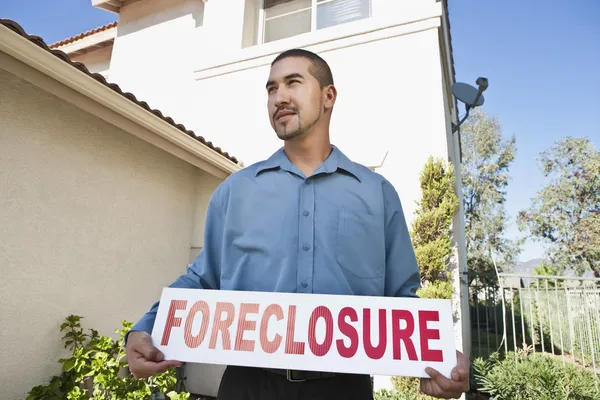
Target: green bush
385,394
405,388
97,369
436,290
527,376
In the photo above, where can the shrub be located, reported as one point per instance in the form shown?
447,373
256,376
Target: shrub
436,290
431,229
385,394
97,369
527,376
405,388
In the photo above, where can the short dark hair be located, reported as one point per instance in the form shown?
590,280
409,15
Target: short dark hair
320,69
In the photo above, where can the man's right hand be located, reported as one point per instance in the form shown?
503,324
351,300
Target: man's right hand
144,359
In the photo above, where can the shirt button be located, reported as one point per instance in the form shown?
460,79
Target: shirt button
306,247
304,285
306,213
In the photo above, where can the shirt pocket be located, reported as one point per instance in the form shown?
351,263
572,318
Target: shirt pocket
360,244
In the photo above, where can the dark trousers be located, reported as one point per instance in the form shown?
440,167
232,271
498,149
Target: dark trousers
244,383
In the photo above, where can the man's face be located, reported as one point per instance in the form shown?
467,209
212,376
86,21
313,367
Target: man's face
295,101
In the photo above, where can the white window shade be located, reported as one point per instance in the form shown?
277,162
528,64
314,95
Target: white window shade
287,26
335,12
286,18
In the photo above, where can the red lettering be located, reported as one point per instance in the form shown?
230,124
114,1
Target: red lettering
270,346
349,331
172,320
191,340
427,334
320,349
292,347
403,334
222,325
374,352
245,325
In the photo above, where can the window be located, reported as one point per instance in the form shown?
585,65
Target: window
281,19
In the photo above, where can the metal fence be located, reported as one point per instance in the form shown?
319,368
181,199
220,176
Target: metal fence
557,315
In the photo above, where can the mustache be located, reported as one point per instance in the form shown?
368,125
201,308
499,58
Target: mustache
285,108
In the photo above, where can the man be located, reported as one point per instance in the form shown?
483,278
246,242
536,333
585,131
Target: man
306,220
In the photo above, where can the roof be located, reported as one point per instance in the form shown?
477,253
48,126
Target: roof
15,27
83,35
447,12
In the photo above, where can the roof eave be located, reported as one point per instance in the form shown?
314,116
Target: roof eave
50,65
88,42
113,6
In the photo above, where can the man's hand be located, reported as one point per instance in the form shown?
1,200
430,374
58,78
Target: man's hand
443,388
144,359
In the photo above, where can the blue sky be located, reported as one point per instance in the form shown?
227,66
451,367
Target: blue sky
542,59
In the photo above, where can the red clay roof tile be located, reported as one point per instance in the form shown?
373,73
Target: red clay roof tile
82,35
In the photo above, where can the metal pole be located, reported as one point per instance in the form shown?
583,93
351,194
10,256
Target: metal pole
487,318
562,346
571,328
537,302
524,337
549,317
514,328
589,328
532,323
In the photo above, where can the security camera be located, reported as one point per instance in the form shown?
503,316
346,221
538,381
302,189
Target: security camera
482,83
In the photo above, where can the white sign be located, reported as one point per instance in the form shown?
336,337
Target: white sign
347,334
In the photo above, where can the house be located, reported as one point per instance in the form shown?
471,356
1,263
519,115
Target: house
95,185
205,64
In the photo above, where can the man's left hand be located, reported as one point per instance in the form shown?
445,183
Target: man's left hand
443,388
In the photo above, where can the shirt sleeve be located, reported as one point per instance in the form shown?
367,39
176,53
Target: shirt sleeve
402,278
205,271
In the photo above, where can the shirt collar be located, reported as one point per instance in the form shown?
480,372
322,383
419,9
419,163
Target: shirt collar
336,160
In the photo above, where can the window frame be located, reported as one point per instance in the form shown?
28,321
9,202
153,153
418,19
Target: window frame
313,18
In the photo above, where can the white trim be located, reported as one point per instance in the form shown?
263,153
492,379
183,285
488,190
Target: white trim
261,21
88,41
313,15
368,29
49,65
259,56
287,13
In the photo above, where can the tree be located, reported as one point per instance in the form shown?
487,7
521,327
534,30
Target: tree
430,235
430,231
565,214
485,175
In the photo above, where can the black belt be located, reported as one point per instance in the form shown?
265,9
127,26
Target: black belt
293,375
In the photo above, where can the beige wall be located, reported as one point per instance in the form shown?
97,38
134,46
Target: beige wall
93,221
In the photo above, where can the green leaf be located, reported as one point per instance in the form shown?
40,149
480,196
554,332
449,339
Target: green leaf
69,364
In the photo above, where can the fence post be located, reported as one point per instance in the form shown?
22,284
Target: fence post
571,329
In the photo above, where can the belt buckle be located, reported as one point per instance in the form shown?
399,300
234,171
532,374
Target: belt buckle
288,375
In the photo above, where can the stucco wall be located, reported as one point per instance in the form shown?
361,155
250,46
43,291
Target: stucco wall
387,69
93,221
390,98
153,50
96,60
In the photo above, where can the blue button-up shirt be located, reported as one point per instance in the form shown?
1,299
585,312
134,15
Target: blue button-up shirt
270,228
